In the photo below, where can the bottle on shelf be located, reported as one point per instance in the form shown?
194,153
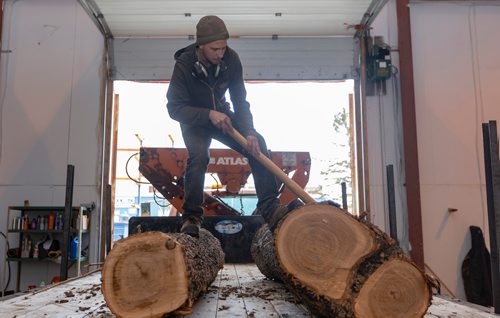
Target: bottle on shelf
73,249
30,248
34,224
85,222
25,223
26,247
58,222
51,221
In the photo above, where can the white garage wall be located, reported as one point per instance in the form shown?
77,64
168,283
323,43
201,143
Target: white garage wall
456,74
50,112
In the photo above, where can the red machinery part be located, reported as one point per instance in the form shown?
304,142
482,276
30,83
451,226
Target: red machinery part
164,168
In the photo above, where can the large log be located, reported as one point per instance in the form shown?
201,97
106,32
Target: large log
154,273
341,267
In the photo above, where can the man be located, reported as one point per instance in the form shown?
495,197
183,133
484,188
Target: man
203,72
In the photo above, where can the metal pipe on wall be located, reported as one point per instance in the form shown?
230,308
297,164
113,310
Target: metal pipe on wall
107,109
362,176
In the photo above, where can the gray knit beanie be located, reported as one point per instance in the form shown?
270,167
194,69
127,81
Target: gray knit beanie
210,28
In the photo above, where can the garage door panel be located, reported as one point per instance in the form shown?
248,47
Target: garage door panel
263,59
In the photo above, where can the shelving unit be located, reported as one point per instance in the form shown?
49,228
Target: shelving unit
76,224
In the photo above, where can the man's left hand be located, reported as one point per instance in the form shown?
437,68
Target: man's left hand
253,145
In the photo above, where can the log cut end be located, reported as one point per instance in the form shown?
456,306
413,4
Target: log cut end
145,275
396,289
321,245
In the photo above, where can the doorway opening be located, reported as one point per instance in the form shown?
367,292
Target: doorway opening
311,116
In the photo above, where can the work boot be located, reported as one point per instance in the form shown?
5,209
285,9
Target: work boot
279,212
191,226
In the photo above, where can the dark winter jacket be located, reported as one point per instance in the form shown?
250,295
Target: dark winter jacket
191,97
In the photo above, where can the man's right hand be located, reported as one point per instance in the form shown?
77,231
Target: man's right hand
221,121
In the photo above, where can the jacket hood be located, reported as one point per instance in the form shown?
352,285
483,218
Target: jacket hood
185,54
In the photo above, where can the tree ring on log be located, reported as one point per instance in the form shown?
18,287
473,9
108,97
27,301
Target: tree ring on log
140,271
396,290
320,246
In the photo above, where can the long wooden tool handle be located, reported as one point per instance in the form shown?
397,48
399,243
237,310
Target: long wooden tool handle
274,169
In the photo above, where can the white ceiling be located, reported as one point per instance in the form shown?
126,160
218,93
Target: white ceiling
244,18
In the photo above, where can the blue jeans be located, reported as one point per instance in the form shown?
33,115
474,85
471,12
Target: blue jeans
198,140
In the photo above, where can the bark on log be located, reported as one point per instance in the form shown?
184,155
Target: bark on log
154,273
340,267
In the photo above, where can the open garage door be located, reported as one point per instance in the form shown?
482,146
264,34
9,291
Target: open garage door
150,59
